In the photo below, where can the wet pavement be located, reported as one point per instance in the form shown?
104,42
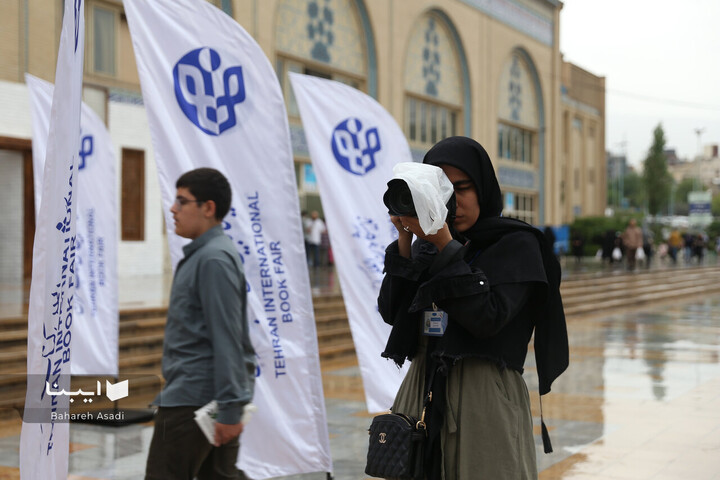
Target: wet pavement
640,400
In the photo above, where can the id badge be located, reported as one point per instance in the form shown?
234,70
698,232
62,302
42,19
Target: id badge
435,322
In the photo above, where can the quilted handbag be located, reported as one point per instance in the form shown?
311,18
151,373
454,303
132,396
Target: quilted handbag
396,449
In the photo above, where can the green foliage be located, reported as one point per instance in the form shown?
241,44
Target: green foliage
713,229
592,229
715,206
656,178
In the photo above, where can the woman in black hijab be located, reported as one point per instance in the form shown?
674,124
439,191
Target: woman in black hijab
497,280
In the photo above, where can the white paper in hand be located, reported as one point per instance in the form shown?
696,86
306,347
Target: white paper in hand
430,189
206,417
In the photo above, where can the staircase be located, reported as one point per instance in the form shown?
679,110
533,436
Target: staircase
142,330
603,293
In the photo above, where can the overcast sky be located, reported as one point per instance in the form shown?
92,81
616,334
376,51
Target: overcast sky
661,63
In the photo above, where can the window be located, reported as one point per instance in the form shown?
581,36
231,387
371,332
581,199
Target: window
515,143
224,5
102,39
426,122
523,208
285,66
133,195
576,179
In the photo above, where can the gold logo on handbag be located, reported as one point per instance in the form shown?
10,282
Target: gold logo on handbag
383,437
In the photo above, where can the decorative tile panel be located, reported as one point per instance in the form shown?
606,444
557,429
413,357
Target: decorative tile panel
518,103
537,25
299,141
124,96
513,177
326,31
431,67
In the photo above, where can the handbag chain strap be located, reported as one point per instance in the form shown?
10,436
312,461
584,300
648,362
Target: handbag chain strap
421,423
428,399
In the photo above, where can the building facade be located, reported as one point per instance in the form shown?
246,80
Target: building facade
705,169
487,69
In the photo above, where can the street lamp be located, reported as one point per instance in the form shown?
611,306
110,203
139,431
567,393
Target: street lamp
621,177
698,132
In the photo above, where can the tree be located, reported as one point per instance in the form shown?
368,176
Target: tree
656,177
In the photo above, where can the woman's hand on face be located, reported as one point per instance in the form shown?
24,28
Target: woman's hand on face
402,232
411,225
404,236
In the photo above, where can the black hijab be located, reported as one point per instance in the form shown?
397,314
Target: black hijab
551,342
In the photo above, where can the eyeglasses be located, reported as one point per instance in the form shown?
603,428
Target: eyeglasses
182,201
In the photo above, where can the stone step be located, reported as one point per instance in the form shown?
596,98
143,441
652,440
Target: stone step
341,349
330,320
619,278
320,301
612,286
639,299
621,272
599,296
142,324
327,336
621,289
13,323
324,308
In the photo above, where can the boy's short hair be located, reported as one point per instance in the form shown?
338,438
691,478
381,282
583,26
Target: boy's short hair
208,184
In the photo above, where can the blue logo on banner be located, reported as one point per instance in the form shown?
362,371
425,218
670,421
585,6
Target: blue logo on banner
86,149
206,94
355,149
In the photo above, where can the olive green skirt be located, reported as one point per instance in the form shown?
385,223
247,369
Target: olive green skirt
488,430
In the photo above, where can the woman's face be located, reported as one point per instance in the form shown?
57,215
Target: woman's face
468,206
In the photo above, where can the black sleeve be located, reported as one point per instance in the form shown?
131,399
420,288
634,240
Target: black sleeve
469,298
399,284
447,281
485,314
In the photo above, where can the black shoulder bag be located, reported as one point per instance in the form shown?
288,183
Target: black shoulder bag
397,445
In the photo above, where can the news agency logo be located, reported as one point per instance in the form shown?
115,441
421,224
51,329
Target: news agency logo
113,391
206,93
355,148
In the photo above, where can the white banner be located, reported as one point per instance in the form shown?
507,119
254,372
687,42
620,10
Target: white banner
44,441
213,100
354,144
95,318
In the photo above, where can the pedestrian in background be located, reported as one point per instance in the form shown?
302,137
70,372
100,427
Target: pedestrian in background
608,246
315,230
632,239
306,222
675,245
577,245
